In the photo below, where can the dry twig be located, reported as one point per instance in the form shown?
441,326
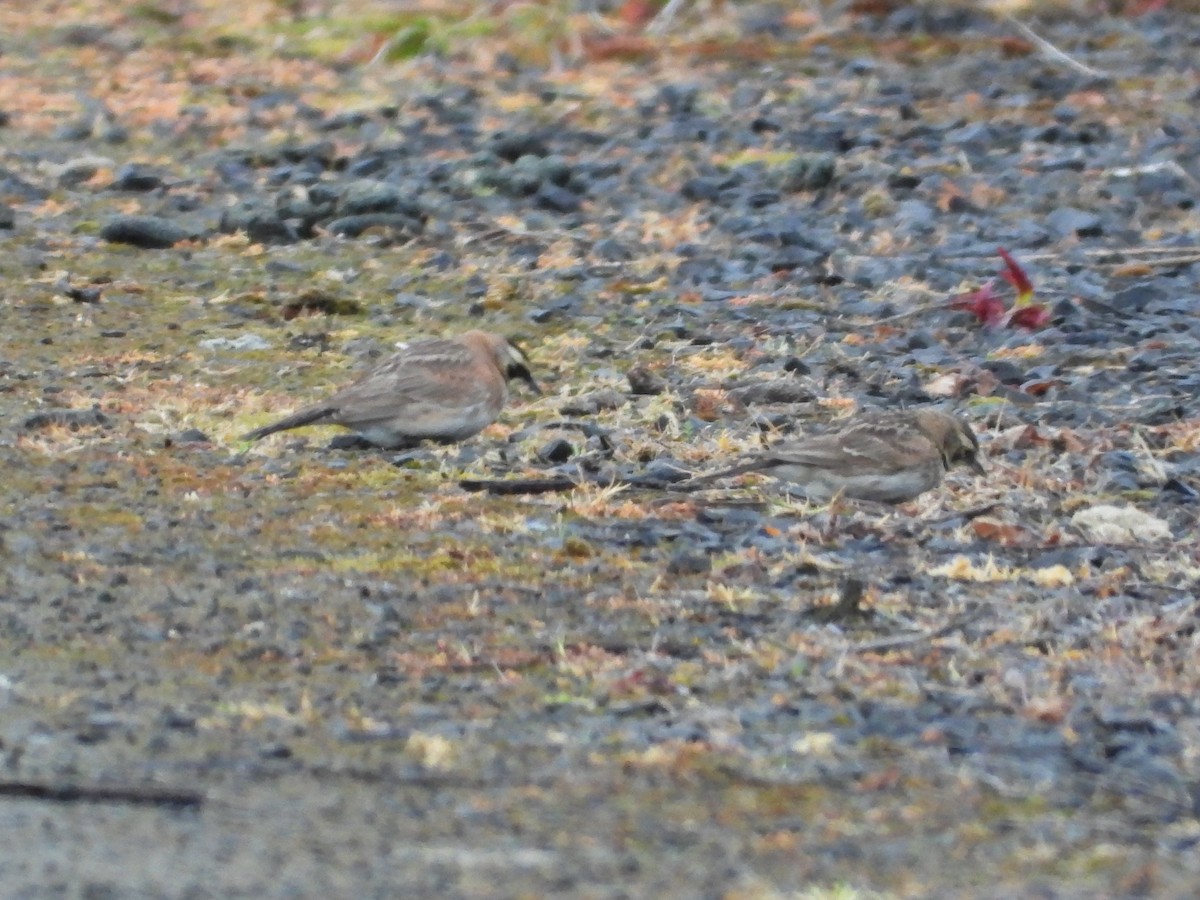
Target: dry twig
1049,50
906,640
138,795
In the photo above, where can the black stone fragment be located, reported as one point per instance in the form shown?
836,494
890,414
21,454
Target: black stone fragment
261,224
511,146
147,232
590,404
190,436
1067,220
136,177
558,450
1137,297
781,390
557,199
689,562
645,381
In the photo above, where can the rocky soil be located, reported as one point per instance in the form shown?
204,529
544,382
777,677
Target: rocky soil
295,669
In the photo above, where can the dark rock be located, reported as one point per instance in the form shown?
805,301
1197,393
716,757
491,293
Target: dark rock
903,181
1143,362
1063,164
178,721
1067,220
782,390
86,294
365,196
551,169
79,130
345,120
511,146
771,422
296,207
679,99
590,404
797,258
664,471
612,250
76,171
915,215
761,199
701,189
792,231
1137,297
558,450
114,133
1007,371
645,381
136,177
350,442
235,173
557,199
148,232
261,223
368,165
689,562
521,179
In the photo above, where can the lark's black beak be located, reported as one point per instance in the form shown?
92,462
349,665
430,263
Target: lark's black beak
975,465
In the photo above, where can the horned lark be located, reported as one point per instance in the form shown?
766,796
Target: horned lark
888,457
438,389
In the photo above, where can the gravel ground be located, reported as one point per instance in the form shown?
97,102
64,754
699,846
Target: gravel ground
298,670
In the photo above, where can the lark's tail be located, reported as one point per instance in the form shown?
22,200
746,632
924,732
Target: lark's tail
297,419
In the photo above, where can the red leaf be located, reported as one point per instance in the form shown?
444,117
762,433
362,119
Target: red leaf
1033,316
1015,275
983,304
989,309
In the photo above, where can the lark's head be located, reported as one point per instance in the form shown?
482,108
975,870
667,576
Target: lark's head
952,436
508,357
